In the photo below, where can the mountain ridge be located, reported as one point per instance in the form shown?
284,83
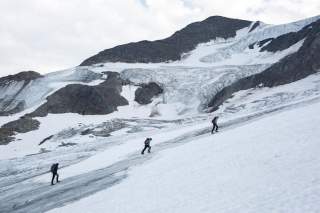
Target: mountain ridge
172,47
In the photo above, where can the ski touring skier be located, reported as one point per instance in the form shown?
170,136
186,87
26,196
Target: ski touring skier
54,171
147,145
215,126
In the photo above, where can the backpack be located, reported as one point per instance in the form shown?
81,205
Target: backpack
147,141
54,167
214,120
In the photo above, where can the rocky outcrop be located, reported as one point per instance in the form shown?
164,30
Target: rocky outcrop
146,92
21,76
254,26
6,136
86,100
260,43
27,89
171,48
294,67
19,106
284,41
22,125
83,75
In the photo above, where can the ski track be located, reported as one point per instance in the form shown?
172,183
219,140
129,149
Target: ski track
25,195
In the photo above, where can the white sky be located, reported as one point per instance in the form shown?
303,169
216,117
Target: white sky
48,35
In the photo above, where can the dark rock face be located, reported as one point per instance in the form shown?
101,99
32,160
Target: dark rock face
22,76
254,26
22,125
18,108
171,48
87,100
46,139
146,92
260,43
304,62
6,136
284,41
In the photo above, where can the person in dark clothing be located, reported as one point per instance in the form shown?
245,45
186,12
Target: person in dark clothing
215,125
54,171
147,145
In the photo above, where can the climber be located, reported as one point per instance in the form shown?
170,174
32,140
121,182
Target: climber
54,171
147,145
215,125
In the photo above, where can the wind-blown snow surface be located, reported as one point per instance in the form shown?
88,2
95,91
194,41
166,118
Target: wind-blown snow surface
270,165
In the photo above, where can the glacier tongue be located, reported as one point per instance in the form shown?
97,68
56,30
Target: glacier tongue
191,86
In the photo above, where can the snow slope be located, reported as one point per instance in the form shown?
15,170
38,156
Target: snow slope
270,165
133,117
95,164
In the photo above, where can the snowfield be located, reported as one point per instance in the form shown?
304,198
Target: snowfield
269,165
264,159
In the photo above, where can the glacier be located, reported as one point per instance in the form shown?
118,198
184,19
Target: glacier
264,159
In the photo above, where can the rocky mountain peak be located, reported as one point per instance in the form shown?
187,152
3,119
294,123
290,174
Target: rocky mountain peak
171,48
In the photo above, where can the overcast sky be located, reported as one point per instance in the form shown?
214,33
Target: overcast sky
49,35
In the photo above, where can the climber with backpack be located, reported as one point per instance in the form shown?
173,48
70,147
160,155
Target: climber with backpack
54,171
215,125
147,145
